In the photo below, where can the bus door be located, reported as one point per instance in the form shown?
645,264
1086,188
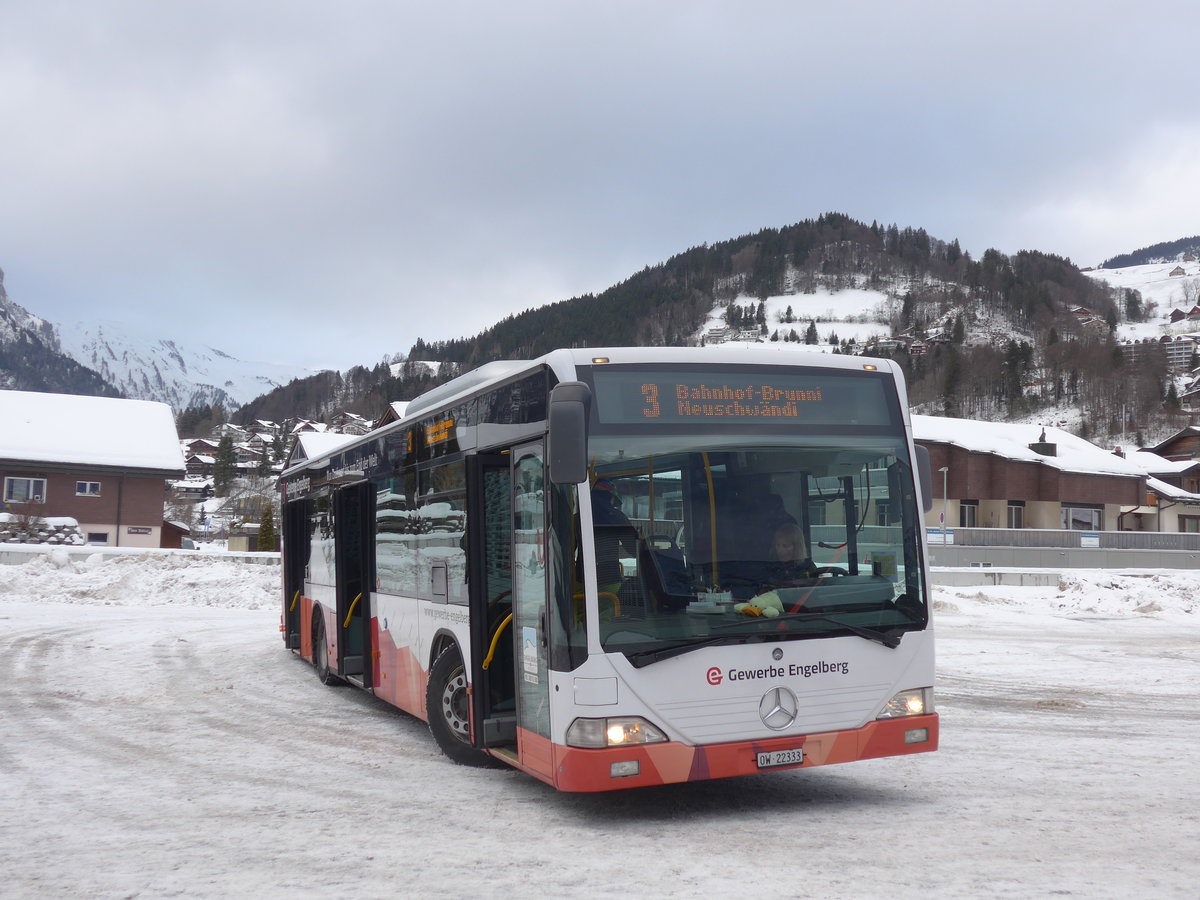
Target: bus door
489,560
295,558
354,516
530,623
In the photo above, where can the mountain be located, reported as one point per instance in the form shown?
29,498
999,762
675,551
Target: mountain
31,358
1168,251
182,374
114,359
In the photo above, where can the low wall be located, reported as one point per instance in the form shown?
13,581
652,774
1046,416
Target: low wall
947,577
954,556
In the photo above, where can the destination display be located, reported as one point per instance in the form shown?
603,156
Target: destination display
762,396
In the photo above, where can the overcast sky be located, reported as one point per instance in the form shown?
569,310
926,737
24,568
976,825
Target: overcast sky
320,183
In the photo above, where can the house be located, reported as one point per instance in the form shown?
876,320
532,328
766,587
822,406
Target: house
1172,495
199,465
311,445
227,429
202,446
1000,475
394,413
350,423
1183,445
1177,272
100,461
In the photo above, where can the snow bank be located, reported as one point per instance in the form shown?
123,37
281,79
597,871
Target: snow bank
141,580
214,580
1158,594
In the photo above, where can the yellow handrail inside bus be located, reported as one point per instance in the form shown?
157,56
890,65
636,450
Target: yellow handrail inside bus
616,602
295,600
496,640
350,611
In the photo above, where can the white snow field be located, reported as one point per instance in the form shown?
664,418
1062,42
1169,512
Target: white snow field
158,741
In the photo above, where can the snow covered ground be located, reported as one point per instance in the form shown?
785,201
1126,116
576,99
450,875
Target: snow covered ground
158,741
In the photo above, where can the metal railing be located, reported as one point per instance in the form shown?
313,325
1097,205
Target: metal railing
1062,538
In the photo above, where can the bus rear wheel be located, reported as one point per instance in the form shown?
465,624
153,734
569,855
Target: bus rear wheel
449,709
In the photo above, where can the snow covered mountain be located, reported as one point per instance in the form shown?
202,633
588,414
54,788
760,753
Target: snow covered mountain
32,360
147,367
104,358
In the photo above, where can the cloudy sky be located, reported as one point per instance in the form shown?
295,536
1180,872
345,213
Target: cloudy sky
321,183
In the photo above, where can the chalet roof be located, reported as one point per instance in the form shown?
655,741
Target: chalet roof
1154,464
93,431
1012,440
312,444
1178,494
1191,431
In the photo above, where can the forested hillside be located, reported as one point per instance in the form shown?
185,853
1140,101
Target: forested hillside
1165,252
1000,336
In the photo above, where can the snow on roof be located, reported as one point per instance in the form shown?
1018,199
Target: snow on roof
1169,490
314,444
93,431
1153,463
1012,441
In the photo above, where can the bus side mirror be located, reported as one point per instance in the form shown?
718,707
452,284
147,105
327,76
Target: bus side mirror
567,449
926,475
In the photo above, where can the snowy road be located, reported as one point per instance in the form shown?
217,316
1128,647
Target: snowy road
179,751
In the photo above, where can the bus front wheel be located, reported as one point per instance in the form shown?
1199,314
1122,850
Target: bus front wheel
449,709
321,654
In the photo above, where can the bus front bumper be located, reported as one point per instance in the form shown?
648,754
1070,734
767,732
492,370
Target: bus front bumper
670,763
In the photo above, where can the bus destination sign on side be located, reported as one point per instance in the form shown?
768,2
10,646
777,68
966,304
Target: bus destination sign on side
627,397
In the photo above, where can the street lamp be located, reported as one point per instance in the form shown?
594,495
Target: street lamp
944,470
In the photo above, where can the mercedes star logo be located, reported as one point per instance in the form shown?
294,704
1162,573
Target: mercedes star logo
778,708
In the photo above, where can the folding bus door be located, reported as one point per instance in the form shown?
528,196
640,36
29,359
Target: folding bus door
355,516
489,539
295,558
529,608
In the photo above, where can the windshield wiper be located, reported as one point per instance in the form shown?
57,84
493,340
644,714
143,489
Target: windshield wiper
890,640
641,658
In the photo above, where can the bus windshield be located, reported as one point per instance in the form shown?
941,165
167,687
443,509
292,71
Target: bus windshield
750,537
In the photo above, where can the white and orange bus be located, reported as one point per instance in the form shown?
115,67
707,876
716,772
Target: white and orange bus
621,567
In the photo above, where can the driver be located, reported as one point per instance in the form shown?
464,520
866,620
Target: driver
790,562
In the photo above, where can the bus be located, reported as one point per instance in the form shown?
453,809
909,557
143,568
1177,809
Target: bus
620,567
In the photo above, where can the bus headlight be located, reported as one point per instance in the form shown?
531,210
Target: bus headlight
916,702
615,732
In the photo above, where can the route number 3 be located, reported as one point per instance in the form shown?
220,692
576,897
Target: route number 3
651,410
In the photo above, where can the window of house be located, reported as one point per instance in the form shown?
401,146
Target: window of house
1016,513
97,537
1189,524
87,489
1082,517
968,513
24,490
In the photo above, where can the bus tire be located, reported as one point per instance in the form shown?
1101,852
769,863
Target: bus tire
448,707
321,654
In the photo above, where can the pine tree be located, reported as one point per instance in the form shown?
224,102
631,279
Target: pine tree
224,467
266,528
810,335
